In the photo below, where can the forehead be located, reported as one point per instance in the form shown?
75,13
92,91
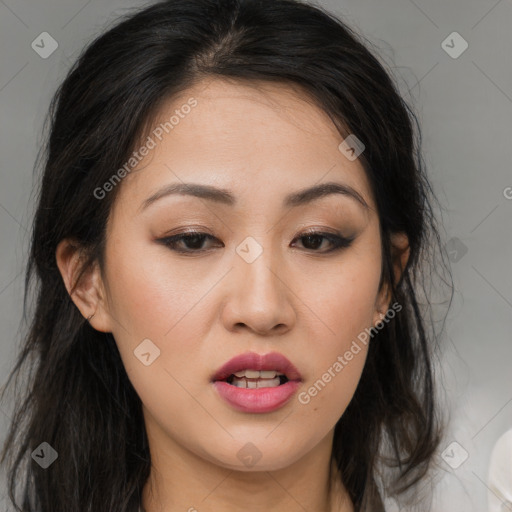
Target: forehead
257,139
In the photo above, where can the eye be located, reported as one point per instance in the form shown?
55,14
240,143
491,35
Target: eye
312,240
192,240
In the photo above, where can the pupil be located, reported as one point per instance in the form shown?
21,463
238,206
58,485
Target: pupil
318,239
194,241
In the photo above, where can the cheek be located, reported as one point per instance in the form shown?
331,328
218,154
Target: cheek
149,295
153,300
338,363
343,299
330,391
166,303
344,304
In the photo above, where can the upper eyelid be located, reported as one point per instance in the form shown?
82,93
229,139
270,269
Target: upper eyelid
346,240
308,231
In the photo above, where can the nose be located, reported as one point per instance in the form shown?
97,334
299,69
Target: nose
259,296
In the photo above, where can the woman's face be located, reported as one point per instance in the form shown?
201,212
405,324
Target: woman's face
255,282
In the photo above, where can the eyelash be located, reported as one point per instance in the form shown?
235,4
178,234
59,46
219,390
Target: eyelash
339,242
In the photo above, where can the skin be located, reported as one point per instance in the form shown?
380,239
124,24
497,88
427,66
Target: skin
262,142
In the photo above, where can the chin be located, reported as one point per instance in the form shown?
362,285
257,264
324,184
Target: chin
255,456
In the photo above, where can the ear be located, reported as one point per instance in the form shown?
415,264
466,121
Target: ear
87,291
400,251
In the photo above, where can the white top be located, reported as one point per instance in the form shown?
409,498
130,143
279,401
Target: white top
500,475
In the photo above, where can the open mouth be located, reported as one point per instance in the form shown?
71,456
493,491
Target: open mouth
254,383
254,379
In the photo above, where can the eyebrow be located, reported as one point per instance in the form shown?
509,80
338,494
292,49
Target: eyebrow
224,196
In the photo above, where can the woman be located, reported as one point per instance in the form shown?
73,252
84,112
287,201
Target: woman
231,235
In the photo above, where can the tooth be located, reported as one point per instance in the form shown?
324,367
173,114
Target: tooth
255,374
255,383
267,383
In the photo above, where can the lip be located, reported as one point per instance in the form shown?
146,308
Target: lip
253,361
260,400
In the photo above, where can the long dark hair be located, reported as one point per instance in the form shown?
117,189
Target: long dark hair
79,399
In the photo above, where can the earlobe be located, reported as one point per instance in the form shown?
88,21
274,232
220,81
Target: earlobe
382,305
85,290
378,317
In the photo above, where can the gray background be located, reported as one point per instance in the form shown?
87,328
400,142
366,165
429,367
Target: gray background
465,108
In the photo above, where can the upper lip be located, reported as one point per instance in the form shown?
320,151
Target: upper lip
254,361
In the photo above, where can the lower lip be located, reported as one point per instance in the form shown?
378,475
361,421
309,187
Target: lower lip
257,400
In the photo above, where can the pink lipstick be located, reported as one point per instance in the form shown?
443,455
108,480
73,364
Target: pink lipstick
257,383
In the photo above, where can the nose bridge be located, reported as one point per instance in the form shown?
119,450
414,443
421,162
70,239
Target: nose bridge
256,267
260,299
